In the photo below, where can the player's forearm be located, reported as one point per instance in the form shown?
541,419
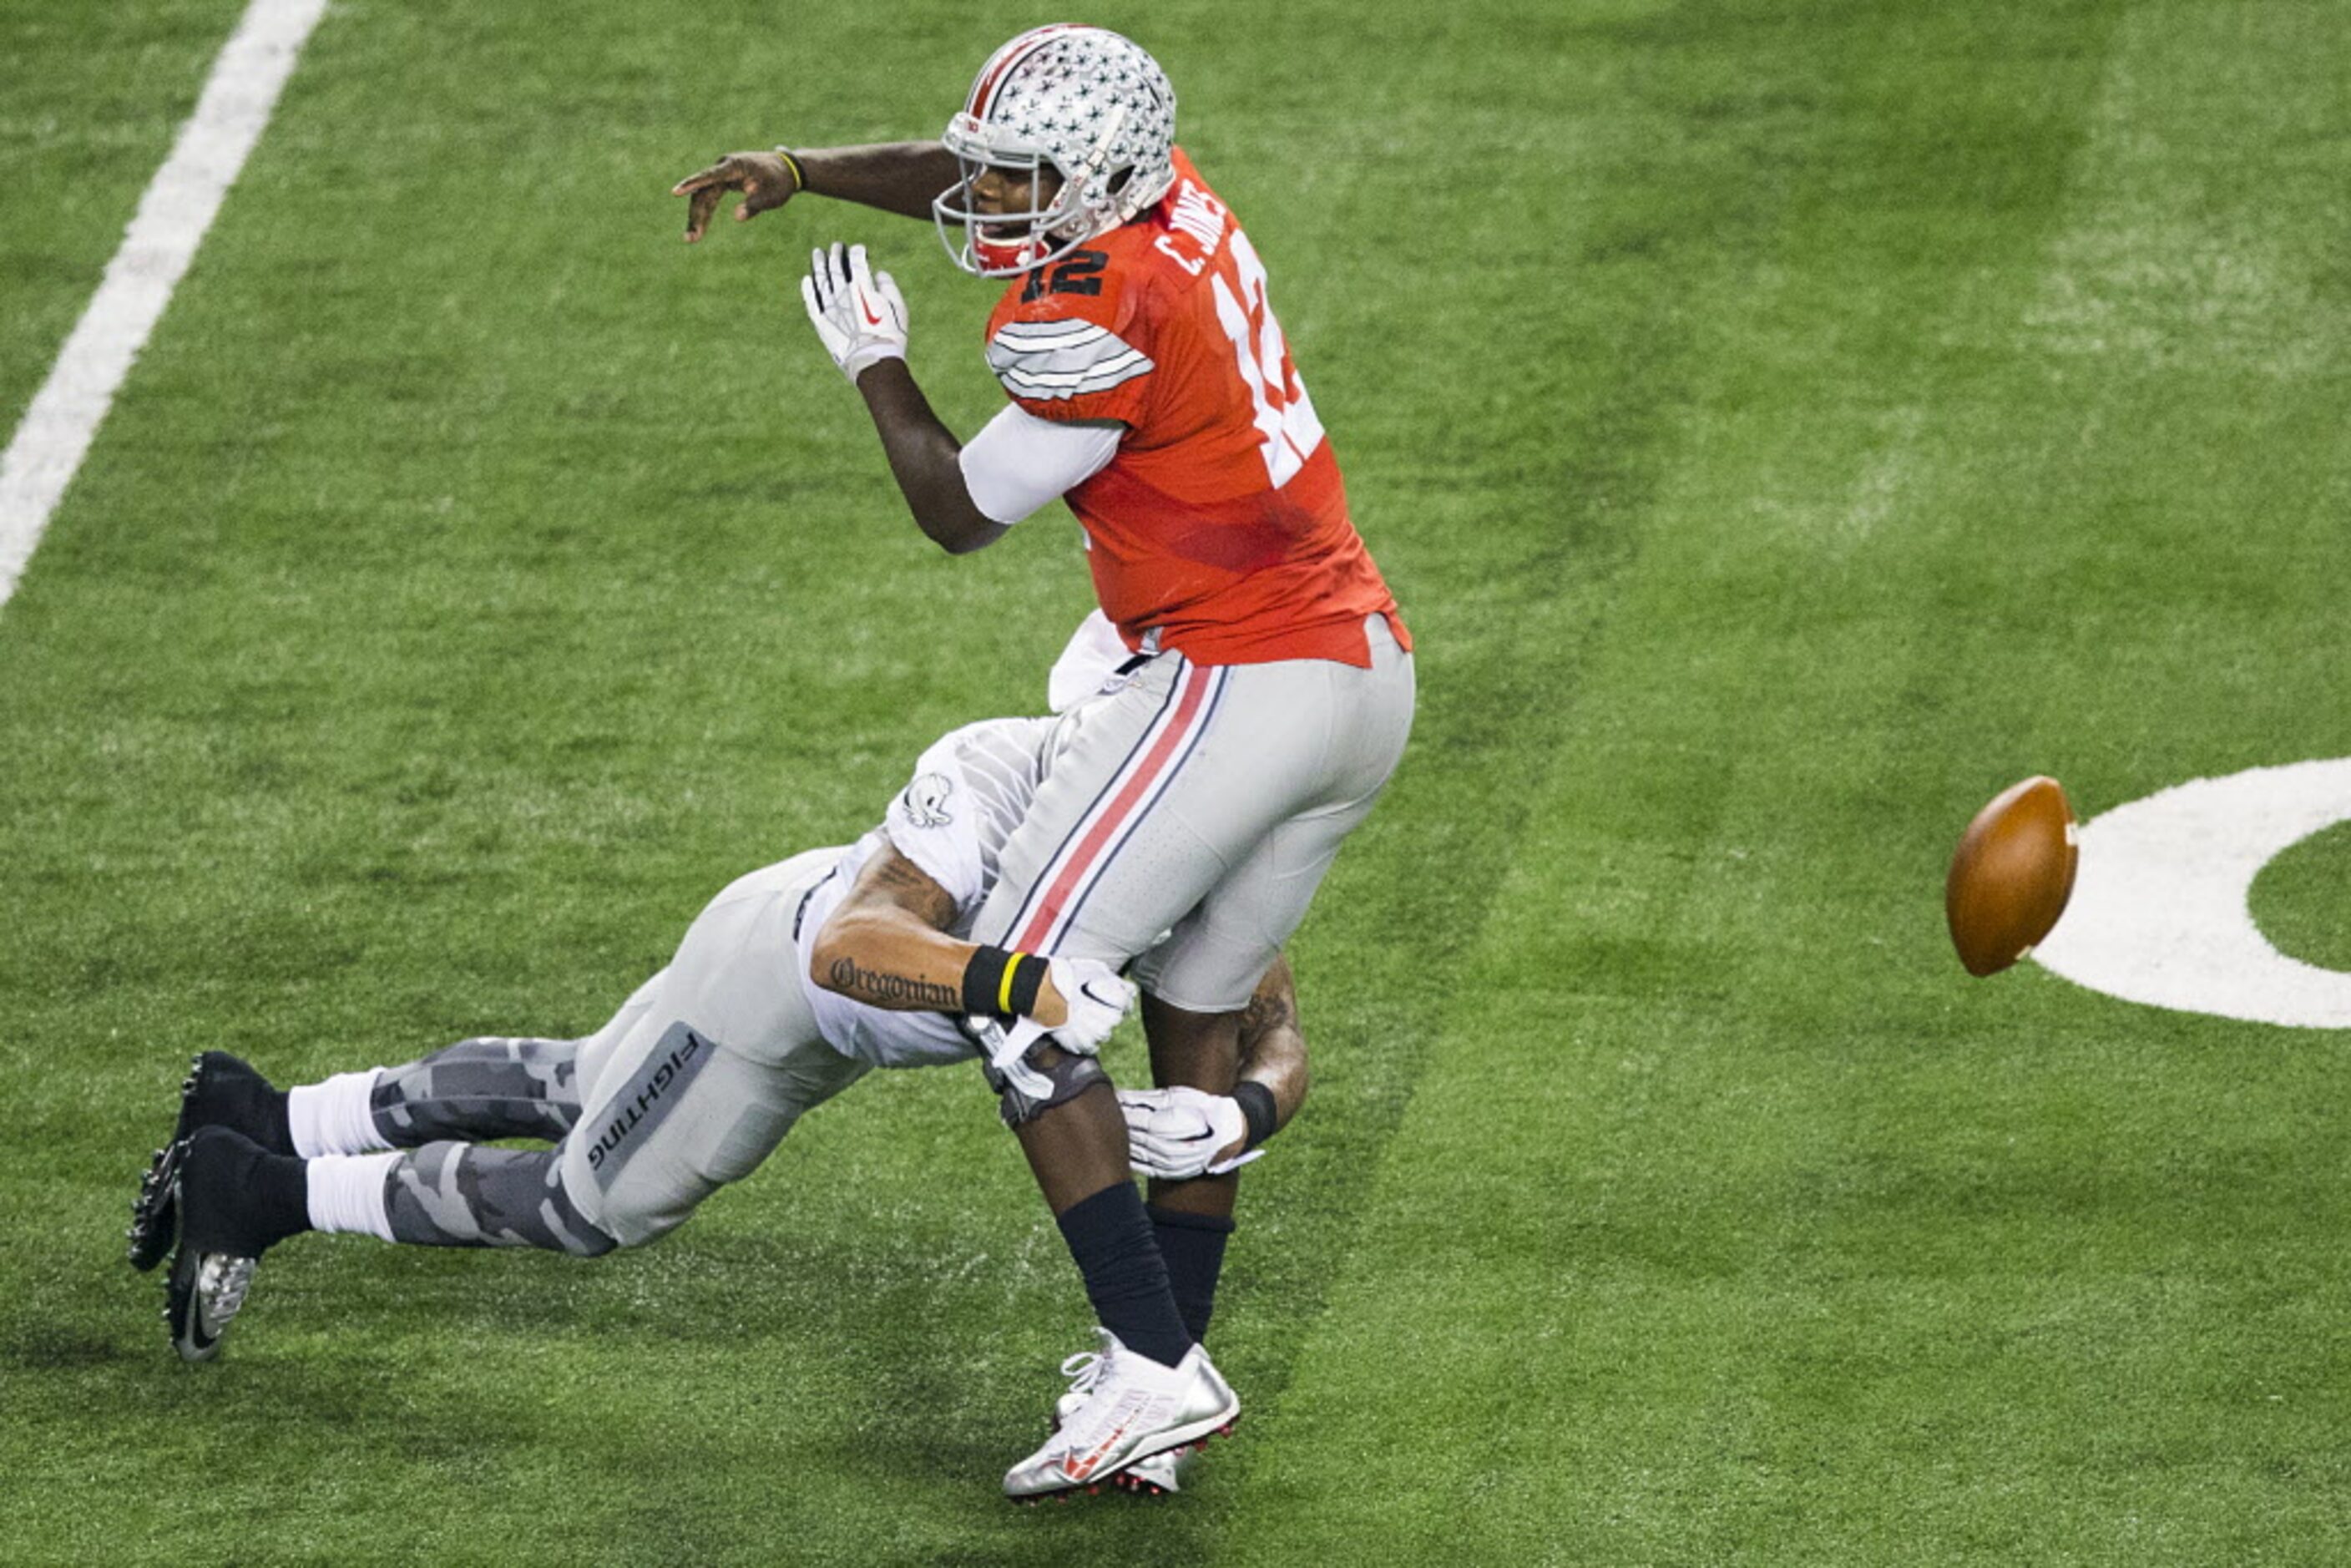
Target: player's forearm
886,958
921,453
894,176
887,962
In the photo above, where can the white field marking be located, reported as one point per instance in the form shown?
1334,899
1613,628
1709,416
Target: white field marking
55,435
2159,912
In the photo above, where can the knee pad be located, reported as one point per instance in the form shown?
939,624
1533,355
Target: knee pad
1070,1076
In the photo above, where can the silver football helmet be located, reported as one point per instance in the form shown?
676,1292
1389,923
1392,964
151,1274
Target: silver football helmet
1085,103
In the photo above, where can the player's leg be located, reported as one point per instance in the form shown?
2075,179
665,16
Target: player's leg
490,1087
1166,787
478,1090
1197,981
684,1093
1193,1220
1151,1389
1137,1261
1200,806
689,1087
1125,753
1077,1151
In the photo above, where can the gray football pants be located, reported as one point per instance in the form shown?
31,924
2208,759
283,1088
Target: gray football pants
690,1086
1194,811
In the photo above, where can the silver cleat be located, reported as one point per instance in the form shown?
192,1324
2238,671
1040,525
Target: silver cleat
1155,1475
1128,1408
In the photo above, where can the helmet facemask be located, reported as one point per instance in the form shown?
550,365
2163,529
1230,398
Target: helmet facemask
1085,103
1006,244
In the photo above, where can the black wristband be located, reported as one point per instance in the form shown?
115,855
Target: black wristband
1028,978
1256,1102
998,984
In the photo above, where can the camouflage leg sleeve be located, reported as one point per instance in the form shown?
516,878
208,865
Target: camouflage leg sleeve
454,1195
478,1090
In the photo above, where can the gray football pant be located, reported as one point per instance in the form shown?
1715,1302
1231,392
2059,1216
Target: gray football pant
1193,812
690,1086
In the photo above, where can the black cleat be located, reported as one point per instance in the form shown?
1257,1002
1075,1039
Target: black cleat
219,1091
235,1200
155,1212
222,1091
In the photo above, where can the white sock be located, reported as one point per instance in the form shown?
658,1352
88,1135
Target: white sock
333,1117
346,1193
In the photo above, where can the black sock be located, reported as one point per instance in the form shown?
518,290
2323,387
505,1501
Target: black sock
1194,1247
237,1197
1126,1279
280,1185
276,1133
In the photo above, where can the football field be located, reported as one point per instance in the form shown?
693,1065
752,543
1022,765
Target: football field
1784,423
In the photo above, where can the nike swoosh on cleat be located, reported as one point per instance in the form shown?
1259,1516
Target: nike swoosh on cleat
1086,1466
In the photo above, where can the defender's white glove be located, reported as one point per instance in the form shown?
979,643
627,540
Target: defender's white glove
1007,1048
1097,998
1177,1133
860,315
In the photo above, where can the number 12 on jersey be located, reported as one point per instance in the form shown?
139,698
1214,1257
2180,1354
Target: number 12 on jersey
1285,415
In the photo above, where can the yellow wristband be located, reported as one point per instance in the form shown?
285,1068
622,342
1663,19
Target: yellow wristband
1004,988
800,175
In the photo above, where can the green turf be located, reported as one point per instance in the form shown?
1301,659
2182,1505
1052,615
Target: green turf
2298,900
1784,425
87,114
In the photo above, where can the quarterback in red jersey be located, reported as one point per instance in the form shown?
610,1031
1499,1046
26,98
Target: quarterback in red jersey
1206,786
1221,519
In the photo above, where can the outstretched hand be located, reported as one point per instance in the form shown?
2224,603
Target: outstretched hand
858,314
764,179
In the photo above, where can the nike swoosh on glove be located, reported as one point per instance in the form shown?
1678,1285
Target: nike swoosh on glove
860,315
1176,1133
1097,999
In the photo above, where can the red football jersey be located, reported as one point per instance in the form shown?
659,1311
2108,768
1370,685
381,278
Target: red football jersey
1222,521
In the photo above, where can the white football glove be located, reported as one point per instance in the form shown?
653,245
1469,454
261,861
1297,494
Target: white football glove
1007,1048
861,317
1178,1134
1097,999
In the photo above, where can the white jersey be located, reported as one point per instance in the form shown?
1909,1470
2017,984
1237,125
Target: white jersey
968,792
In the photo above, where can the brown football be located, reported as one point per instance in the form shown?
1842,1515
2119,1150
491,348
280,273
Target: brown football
2011,875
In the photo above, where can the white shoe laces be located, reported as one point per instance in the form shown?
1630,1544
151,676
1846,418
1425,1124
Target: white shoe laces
1114,1395
1084,1370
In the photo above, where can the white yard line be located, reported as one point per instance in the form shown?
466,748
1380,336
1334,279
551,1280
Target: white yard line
48,446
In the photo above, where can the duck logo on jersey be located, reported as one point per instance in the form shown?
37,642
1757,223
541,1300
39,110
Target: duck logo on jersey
925,800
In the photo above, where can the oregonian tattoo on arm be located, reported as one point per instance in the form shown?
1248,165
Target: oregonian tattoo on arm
874,985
